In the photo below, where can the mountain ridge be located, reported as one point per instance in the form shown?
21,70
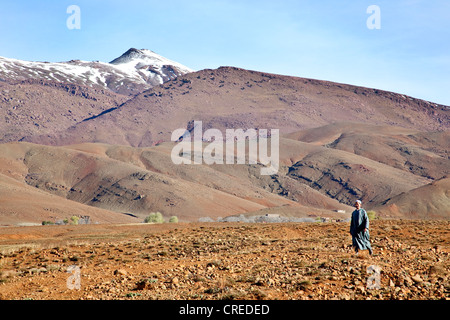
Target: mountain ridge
132,72
230,97
111,150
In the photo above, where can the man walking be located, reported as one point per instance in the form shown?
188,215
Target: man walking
359,229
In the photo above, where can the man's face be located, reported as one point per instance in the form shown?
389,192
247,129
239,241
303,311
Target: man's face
357,205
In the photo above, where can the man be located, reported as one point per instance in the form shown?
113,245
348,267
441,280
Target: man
359,229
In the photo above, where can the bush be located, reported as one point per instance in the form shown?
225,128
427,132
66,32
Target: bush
74,220
154,217
173,219
44,223
371,214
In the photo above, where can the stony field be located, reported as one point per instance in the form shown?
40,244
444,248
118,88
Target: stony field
225,261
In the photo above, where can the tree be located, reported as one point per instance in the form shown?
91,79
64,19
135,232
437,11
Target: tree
173,219
371,214
74,220
154,217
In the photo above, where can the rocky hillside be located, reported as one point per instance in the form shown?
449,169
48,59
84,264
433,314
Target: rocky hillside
38,107
314,180
339,143
236,98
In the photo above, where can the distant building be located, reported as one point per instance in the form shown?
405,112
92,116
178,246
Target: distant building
84,220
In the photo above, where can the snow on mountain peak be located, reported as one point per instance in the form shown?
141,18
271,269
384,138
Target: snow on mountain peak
132,54
144,57
132,72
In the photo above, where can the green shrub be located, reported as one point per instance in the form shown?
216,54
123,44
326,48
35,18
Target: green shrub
371,214
173,219
132,294
44,223
74,220
154,217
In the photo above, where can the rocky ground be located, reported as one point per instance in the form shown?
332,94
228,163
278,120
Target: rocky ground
225,261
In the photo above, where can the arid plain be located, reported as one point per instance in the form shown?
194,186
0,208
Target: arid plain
77,149
225,261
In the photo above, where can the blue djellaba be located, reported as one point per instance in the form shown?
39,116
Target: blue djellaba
359,229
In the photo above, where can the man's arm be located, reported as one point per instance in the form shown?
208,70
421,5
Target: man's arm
366,221
351,225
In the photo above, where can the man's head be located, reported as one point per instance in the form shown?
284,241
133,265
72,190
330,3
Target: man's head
358,204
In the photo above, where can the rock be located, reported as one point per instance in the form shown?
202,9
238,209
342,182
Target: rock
120,272
8,273
37,270
399,281
408,281
435,270
417,278
348,286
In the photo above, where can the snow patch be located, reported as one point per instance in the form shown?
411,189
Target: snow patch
143,67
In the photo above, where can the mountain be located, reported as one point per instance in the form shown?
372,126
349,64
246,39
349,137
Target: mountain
37,107
23,204
130,182
126,182
363,161
423,154
431,201
106,145
236,98
149,66
131,73
42,98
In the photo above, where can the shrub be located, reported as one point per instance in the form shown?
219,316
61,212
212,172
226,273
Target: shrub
154,217
44,223
371,214
173,219
74,220
132,294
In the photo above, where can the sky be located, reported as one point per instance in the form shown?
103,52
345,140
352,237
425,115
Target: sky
408,52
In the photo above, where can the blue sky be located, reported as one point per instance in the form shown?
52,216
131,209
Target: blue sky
327,40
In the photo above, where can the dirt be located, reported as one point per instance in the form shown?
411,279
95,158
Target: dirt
212,261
